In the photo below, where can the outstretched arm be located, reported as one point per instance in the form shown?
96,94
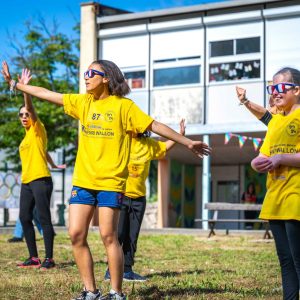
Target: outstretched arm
199,148
257,110
24,79
35,91
170,144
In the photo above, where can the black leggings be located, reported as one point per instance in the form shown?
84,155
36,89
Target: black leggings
37,193
287,239
131,217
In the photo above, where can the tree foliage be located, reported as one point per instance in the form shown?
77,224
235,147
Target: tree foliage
53,60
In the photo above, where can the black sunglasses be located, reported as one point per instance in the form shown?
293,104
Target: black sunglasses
21,115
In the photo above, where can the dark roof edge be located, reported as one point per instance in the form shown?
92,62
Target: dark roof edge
181,10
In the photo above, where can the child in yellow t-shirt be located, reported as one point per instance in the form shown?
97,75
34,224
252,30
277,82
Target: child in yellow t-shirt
280,158
143,150
107,120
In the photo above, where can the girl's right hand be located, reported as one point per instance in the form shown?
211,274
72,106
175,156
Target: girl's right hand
26,76
241,93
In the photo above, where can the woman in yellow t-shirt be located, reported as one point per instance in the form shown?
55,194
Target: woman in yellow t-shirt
36,188
107,120
280,158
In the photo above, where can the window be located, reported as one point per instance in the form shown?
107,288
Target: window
249,45
232,47
234,70
177,75
221,48
135,79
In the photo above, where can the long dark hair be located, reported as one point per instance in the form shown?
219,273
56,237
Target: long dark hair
117,85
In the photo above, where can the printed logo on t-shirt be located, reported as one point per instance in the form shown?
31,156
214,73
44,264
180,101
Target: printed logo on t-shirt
293,128
109,116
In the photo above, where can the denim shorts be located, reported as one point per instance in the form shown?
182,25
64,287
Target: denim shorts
96,198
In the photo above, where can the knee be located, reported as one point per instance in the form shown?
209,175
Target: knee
109,238
77,237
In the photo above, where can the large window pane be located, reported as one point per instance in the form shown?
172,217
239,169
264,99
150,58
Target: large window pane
221,48
234,71
178,75
249,45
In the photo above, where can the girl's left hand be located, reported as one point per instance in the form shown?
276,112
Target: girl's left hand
26,76
199,148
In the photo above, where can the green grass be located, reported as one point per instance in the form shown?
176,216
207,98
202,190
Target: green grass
177,267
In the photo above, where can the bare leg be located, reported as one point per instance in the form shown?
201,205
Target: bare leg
108,226
80,216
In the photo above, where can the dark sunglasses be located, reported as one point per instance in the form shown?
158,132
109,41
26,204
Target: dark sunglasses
280,87
91,73
21,115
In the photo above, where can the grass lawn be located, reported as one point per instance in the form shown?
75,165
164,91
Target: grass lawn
177,267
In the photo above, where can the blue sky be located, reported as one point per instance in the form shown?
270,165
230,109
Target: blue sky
66,13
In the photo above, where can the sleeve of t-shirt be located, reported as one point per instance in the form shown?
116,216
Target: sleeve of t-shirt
40,132
39,129
137,120
157,149
73,104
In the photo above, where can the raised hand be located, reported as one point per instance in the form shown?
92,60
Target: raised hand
200,148
182,127
241,93
5,72
26,76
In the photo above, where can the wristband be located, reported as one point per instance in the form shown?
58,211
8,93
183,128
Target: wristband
244,101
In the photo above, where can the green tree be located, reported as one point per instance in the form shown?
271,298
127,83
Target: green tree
53,60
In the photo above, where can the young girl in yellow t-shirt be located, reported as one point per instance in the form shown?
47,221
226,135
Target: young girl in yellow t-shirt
107,120
280,158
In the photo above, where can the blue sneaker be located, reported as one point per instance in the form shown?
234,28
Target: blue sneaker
131,276
107,275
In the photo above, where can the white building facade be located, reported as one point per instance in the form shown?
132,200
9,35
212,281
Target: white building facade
186,63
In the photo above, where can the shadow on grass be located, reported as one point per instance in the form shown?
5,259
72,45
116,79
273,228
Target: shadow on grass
174,273
73,264
177,273
154,292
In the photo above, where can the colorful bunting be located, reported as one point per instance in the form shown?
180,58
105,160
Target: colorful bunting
227,137
256,143
242,139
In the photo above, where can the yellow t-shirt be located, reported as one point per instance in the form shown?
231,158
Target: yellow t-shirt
282,200
104,139
33,150
142,151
